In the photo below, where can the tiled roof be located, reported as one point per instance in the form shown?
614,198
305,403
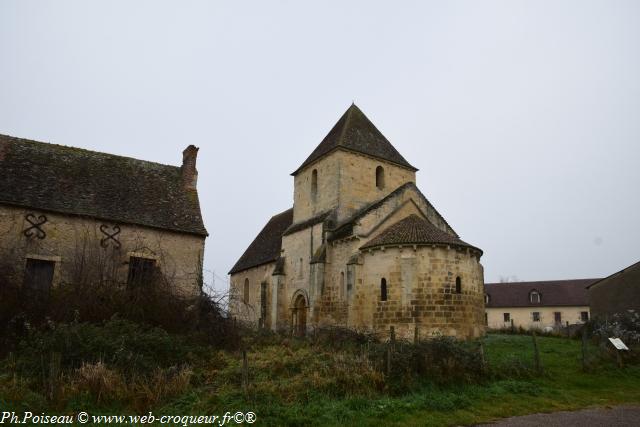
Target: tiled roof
553,292
355,132
307,223
74,181
345,228
266,246
414,230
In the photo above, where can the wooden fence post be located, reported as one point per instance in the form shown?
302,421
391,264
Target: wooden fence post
388,361
245,372
619,358
536,353
584,348
54,374
483,362
392,335
416,335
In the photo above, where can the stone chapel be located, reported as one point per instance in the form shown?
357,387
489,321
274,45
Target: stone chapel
361,248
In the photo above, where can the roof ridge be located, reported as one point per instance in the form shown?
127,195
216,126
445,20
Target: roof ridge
614,274
345,125
374,205
414,230
282,213
71,147
266,246
365,138
540,281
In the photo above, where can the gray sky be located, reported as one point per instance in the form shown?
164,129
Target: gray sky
522,116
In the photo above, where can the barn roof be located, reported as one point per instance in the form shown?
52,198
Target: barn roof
74,181
616,274
355,132
266,246
553,292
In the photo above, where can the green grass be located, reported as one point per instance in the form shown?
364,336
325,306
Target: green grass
562,386
299,384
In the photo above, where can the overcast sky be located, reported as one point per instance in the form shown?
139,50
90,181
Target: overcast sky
522,116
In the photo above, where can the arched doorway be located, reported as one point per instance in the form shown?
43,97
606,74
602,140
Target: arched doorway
300,316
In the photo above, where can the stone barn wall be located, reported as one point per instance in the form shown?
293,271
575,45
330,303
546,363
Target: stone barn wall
69,240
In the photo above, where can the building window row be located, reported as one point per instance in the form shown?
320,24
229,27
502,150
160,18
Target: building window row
536,316
38,274
384,289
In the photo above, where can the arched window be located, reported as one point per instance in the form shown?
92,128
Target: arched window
535,297
380,177
458,285
342,289
314,185
245,295
487,298
383,289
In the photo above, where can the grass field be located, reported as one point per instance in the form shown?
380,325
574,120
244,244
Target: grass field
562,386
295,383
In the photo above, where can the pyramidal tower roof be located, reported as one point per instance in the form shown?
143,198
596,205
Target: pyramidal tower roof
355,132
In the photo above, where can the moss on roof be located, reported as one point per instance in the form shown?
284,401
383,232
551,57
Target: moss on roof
75,181
265,248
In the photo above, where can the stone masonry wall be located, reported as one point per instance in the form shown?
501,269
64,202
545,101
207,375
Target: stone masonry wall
346,181
421,292
69,239
304,205
358,181
251,311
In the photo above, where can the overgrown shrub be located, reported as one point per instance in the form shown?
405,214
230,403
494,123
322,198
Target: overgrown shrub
129,347
625,326
118,361
156,303
439,360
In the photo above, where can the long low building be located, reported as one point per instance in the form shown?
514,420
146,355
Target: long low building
537,305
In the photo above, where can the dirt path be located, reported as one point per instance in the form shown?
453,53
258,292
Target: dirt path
618,416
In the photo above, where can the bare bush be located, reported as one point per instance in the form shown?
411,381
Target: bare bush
95,289
98,380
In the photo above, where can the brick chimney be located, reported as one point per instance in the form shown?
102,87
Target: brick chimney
189,171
